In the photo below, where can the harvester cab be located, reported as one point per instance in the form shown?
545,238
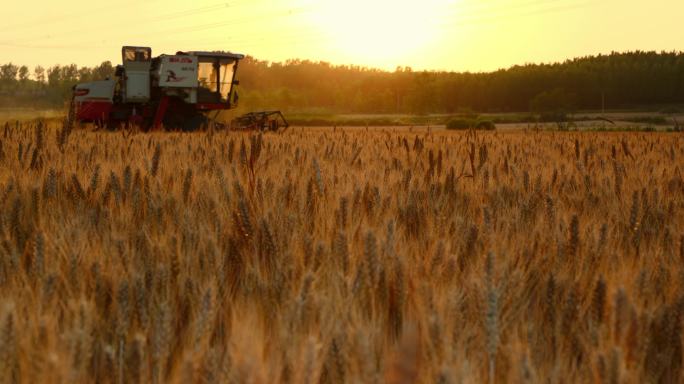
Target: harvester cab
173,91
134,74
203,78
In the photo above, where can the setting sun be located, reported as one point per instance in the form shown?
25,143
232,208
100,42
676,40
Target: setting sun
381,31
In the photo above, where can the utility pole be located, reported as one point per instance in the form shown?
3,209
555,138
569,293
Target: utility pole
603,102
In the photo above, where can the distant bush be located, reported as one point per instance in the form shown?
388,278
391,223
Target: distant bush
343,122
624,129
656,120
460,123
553,117
463,123
486,125
670,111
513,119
565,126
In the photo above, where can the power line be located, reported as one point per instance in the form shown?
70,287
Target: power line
494,18
171,16
167,32
57,18
260,17
261,36
308,36
472,20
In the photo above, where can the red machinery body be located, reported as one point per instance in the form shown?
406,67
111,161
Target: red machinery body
173,91
94,103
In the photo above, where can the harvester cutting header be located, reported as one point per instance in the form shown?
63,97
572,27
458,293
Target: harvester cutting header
171,91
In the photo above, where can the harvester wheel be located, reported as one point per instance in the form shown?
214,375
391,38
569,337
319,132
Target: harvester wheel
194,123
112,125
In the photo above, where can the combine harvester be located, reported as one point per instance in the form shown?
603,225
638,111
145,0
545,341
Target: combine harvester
176,92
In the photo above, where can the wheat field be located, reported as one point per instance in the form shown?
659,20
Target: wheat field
340,256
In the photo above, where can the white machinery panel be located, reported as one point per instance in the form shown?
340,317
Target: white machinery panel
137,85
178,71
102,90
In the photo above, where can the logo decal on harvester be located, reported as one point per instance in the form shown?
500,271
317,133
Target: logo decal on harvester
172,78
180,60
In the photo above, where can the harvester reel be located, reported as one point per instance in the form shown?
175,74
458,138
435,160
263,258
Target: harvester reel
263,121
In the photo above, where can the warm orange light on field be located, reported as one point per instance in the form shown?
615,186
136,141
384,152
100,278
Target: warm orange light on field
381,31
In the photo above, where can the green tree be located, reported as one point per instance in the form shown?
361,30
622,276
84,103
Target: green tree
554,105
556,100
8,72
54,76
23,74
39,74
103,71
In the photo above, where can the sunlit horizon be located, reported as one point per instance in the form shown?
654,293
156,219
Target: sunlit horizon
456,35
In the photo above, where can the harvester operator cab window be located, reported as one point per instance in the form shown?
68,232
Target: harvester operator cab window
215,78
227,69
207,75
138,54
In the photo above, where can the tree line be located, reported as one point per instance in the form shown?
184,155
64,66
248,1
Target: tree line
616,80
45,87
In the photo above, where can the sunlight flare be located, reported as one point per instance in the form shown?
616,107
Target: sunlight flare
381,30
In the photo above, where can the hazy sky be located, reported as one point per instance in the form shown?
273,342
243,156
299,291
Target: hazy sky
474,35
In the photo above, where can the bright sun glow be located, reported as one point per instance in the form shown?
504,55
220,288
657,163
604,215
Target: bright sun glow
382,31
474,35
